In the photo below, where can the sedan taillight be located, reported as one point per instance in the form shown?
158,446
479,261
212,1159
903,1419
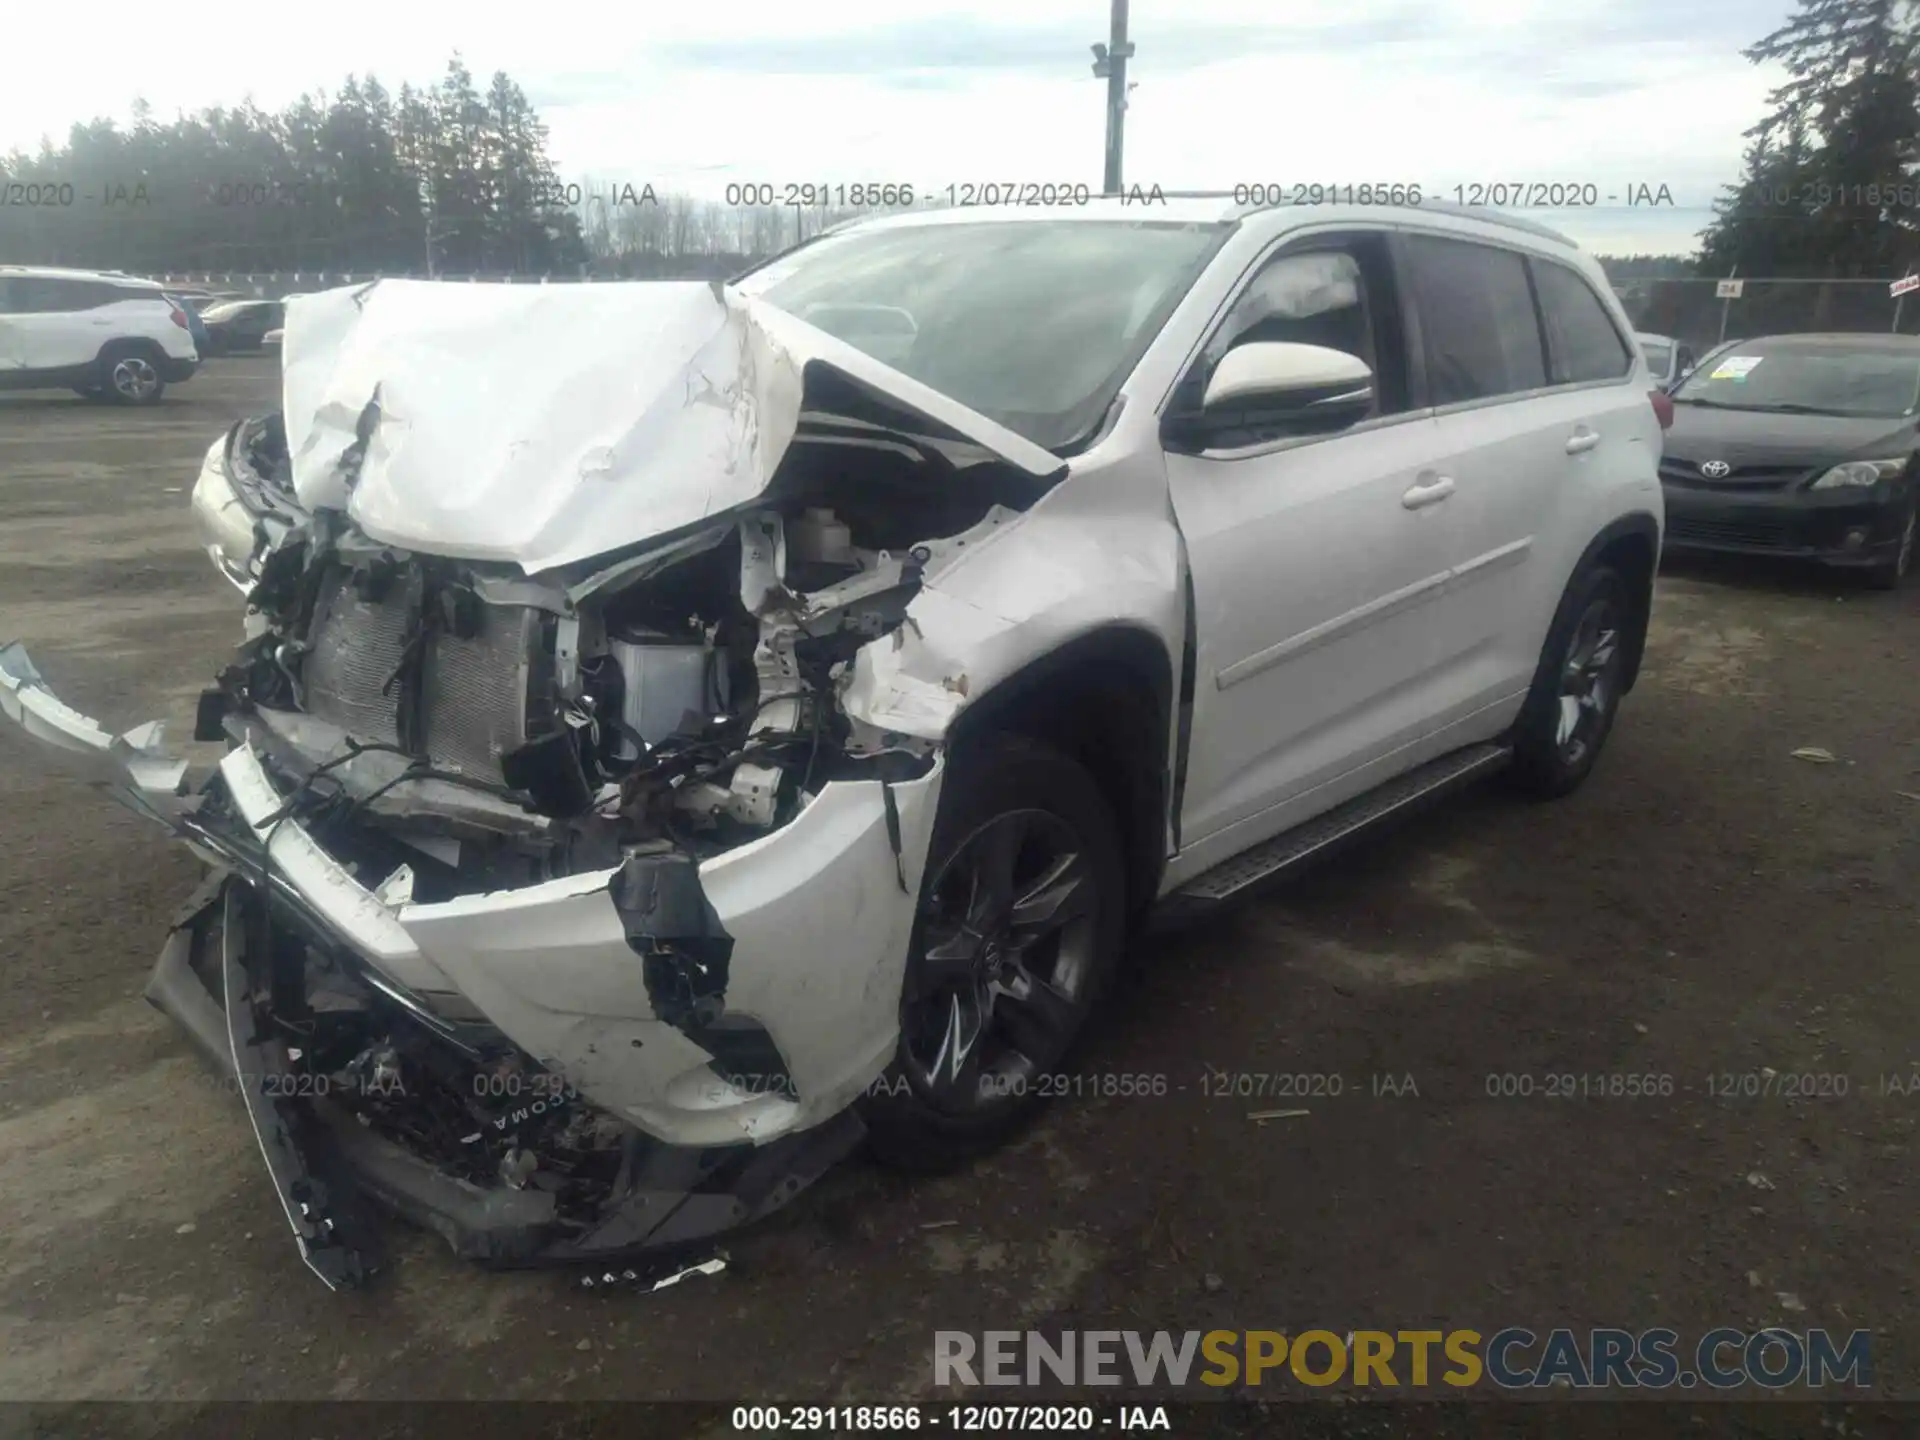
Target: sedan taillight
1662,407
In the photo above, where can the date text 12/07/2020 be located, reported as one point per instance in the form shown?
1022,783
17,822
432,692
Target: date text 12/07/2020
1212,1083
970,194
1475,194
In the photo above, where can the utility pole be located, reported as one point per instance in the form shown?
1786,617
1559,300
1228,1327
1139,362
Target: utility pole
427,213
1110,64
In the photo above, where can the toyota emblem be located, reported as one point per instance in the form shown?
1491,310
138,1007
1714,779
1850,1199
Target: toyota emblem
1716,469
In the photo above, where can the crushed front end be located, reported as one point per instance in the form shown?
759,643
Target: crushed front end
561,909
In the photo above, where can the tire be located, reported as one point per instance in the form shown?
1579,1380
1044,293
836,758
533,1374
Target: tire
1024,989
1891,574
1570,709
130,374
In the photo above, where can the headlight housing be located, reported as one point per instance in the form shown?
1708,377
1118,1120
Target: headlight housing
224,522
1859,474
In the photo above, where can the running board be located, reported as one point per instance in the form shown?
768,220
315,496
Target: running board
1232,878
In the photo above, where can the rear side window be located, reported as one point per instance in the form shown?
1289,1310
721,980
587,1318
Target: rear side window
1582,344
39,295
92,294
1477,320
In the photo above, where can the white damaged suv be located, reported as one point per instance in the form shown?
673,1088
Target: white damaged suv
684,729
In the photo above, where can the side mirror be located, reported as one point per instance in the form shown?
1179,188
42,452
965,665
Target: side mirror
1307,389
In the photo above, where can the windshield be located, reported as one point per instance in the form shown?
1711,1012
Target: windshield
1831,378
1035,324
1659,355
225,310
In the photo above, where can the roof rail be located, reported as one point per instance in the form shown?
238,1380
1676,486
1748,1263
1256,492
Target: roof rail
1490,216
1485,214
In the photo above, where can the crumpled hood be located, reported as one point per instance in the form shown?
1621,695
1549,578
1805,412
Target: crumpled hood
548,424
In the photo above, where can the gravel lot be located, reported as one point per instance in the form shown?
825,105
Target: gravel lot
1707,904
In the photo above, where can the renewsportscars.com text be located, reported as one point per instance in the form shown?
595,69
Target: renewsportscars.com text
1513,1358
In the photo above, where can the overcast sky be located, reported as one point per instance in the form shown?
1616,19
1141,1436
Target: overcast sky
1613,93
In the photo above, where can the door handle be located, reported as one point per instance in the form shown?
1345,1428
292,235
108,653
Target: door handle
1582,440
1431,490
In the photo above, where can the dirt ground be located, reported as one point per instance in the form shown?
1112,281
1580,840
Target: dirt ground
1707,904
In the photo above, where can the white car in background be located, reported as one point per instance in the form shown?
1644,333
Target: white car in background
673,743
1669,361
97,333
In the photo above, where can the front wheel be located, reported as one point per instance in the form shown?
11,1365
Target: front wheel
1576,690
1019,928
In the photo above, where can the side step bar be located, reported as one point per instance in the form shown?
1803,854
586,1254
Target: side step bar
1232,878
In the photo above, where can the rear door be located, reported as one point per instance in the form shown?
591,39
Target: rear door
12,347
54,331
1534,394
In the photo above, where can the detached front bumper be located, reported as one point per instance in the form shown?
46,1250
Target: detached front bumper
326,1167
1837,527
819,915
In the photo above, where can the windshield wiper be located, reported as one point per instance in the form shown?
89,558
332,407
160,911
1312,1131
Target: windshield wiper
1784,407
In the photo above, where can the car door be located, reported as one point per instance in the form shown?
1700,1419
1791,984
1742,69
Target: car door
1503,440
1315,560
1524,419
12,346
54,332
246,326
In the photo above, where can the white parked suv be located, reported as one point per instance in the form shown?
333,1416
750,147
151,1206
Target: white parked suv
100,334
685,729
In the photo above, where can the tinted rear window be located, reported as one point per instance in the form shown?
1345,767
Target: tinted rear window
1582,343
40,295
1477,320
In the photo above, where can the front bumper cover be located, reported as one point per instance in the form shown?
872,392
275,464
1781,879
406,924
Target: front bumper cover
325,1167
819,914
1788,524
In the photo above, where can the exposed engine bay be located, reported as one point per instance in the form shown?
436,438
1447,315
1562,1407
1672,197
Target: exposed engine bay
684,696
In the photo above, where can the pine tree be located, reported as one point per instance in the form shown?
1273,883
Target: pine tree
1836,195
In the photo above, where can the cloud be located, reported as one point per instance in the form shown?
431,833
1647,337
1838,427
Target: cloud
1440,92
973,45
